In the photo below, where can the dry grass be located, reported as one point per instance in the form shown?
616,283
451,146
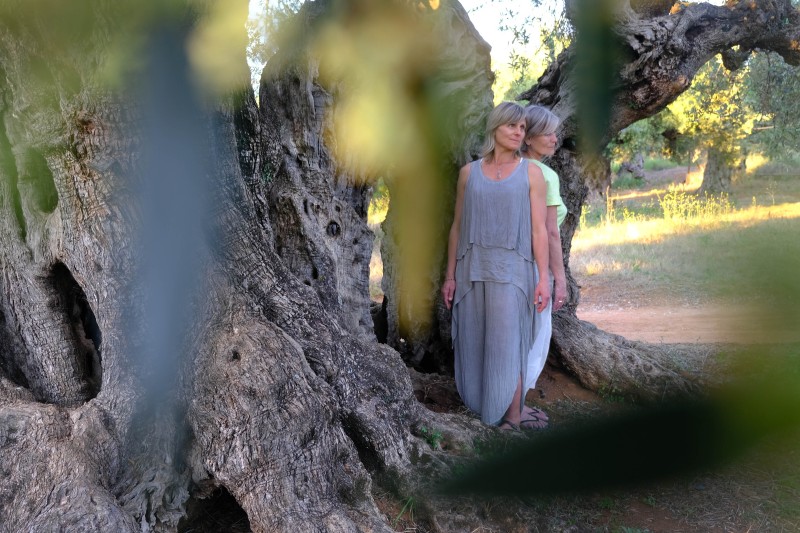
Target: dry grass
376,214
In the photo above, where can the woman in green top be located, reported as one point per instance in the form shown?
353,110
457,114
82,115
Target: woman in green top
540,142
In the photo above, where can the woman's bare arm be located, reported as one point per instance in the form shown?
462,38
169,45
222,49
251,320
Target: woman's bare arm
449,285
540,244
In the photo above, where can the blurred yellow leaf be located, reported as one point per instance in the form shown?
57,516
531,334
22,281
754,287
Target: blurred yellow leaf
217,46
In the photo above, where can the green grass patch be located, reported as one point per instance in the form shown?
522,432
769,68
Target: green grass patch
659,164
627,182
432,436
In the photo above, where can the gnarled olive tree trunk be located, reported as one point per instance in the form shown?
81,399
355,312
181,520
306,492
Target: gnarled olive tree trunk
270,389
718,173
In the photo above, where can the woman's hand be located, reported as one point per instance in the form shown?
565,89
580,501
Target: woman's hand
448,291
559,295
541,295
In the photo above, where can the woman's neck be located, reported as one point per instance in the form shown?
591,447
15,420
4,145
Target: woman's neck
503,156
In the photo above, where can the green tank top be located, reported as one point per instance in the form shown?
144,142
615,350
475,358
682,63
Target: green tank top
553,191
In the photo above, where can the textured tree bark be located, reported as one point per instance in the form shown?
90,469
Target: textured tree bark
280,398
634,167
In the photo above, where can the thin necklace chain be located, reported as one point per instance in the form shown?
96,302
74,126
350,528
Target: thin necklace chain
499,165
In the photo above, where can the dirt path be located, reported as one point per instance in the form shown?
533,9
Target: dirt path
655,314
681,324
666,324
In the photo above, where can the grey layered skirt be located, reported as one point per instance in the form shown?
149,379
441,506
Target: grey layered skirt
492,344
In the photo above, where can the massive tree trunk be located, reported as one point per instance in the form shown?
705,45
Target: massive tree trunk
118,407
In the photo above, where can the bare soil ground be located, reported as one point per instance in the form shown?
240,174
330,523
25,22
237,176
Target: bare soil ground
657,319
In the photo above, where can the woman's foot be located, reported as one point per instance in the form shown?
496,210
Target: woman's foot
533,419
528,412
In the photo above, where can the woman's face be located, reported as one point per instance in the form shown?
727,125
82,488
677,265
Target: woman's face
509,136
540,146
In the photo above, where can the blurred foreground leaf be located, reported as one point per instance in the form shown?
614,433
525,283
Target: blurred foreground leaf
597,58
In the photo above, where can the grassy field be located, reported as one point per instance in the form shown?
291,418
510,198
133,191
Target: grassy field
660,244
666,244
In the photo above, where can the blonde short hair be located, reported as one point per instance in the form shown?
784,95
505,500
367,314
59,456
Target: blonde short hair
503,113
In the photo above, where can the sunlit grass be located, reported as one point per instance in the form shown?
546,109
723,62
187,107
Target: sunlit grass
684,250
376,214
755,161
630,229
378,208
376,273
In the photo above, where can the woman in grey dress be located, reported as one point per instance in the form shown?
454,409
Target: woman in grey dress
497,241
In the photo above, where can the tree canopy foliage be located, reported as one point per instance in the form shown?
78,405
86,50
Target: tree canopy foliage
773,94
751,107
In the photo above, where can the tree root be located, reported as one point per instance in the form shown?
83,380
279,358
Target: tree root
604,361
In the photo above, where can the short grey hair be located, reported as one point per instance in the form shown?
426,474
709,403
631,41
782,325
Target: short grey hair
503,113
539,121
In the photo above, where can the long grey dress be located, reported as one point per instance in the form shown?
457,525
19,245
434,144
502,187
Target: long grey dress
493,309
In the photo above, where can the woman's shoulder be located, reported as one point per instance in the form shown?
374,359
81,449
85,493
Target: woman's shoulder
466,170
546,170
467,167
549,175
534,169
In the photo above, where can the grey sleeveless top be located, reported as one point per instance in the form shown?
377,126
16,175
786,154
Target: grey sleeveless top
494,243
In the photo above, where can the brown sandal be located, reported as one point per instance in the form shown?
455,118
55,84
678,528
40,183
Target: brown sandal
507,425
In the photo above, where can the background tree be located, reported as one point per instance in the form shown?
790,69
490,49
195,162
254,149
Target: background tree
713,114
264,29
773,92
541,22
650,137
